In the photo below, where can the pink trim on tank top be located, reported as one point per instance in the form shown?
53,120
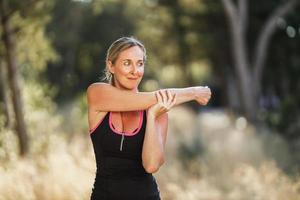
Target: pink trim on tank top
127,134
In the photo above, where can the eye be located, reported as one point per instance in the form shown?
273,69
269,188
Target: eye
141,64
126,62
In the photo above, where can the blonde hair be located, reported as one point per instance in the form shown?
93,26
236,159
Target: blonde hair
115,49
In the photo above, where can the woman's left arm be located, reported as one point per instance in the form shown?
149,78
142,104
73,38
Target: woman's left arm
154,142
156,131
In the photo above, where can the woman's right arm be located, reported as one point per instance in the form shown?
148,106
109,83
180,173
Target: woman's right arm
105,97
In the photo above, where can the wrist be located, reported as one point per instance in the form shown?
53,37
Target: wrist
195,93
150,115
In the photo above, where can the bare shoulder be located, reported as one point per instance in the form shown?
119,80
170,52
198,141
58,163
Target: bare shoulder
97,90
94,92
97,86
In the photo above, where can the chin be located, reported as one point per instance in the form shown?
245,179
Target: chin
129,87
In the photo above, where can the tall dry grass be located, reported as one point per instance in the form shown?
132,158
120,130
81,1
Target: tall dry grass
64,172
215,156
210,156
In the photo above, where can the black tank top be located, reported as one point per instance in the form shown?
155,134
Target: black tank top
118,155
120,173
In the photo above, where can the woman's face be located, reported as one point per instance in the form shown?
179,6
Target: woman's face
128,69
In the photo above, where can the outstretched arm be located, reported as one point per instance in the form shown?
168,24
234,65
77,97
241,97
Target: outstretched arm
105,97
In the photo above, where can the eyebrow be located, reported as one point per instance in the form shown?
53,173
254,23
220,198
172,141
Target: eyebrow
131,60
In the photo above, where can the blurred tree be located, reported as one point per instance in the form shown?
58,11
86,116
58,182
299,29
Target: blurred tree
250,77
81,32
17,17
174,47
4,108
12,70
281,83
180,31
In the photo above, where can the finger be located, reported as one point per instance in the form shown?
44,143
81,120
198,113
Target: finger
203,101
158,96
170,97
206,101
174,97
164,96
173,102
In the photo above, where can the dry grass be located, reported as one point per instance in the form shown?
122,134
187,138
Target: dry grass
224,160
64,172
211,157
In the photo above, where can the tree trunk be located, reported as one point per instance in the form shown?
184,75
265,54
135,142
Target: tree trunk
250,78
263,41
12,72
238,17
3,97
244,74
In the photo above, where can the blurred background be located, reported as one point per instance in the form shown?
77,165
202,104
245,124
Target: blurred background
242,146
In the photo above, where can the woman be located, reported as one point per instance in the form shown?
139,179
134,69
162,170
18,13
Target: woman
128,128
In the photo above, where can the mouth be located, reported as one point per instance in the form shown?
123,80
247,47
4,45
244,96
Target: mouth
133,79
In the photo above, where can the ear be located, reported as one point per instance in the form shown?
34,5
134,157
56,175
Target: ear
110,66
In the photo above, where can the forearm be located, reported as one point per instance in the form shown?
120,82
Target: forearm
153,147
183,94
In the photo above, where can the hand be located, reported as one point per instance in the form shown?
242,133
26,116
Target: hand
165,101
202,94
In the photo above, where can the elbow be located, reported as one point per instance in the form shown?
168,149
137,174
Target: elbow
151,169
154,166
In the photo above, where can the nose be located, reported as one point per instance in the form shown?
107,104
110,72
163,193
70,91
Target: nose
134,69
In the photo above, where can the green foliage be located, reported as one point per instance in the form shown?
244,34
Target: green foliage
173,42
81,33
28,21
34,49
